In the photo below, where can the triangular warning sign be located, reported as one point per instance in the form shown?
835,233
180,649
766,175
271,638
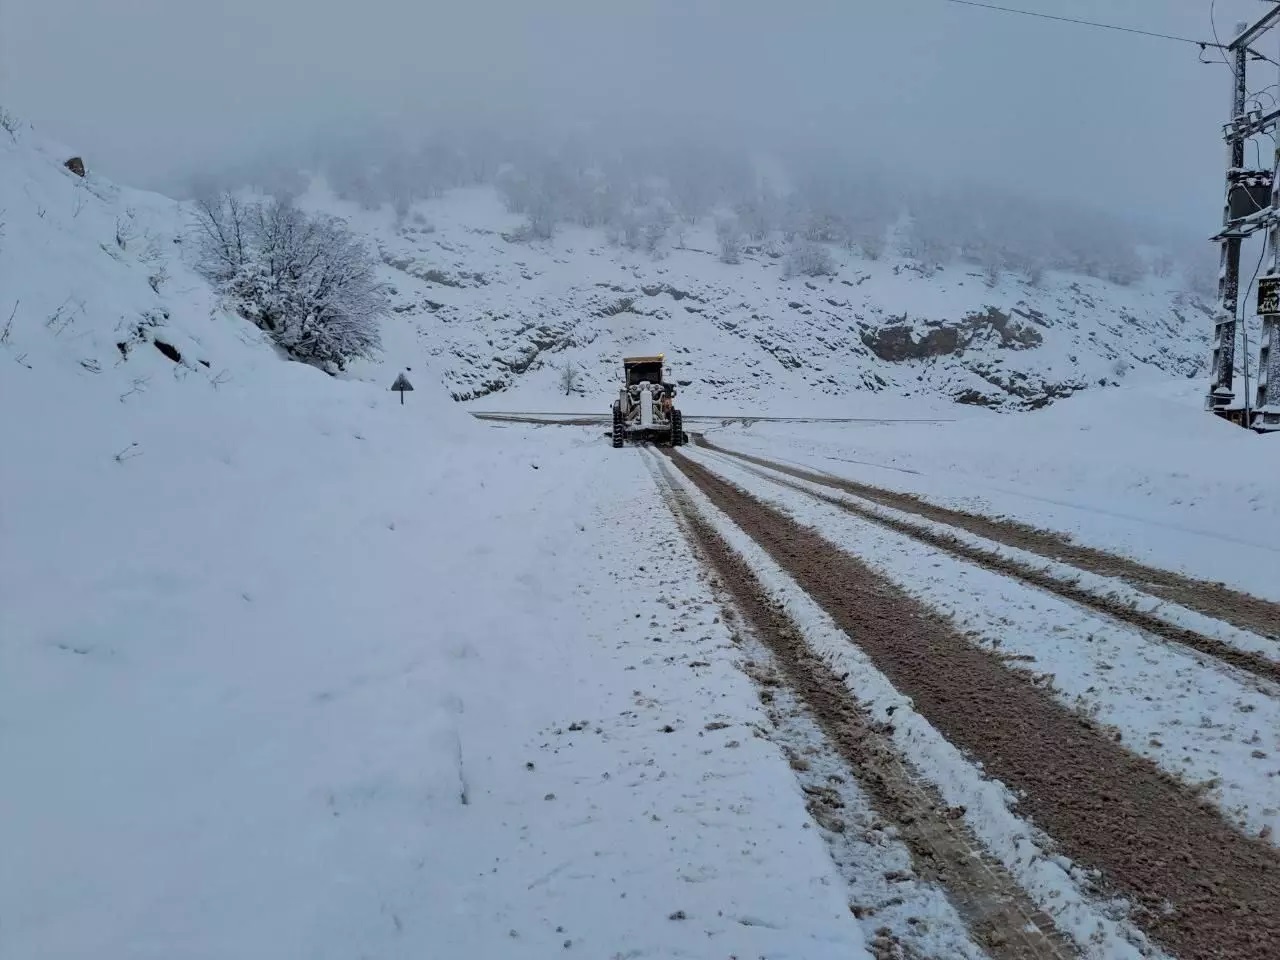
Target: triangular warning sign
402,383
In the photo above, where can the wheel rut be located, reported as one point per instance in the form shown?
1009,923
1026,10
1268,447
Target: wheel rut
1217,600
1034,541
1198,888
1000,916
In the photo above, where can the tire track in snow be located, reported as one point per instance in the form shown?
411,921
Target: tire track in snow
943,850
1200,889
1244,611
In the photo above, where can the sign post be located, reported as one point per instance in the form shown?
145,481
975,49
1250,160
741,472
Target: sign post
402,384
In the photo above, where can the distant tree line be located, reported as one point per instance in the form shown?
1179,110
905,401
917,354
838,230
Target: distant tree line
645,194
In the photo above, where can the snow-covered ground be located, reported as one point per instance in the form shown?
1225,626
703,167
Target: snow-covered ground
1209,724
381,692
291,669
1141,470
1051,882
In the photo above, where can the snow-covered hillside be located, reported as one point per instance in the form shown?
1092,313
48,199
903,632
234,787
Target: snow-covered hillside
288,669
502,317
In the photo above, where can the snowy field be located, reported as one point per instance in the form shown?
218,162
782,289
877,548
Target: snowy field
1143,471
362,678
289,669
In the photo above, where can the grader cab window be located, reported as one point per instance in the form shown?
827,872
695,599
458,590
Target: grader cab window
640,372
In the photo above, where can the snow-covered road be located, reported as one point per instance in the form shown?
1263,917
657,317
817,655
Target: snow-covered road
1139,471
1104,668
1052,737
377,687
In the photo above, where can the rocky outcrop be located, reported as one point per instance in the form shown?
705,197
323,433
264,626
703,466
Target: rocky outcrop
903,341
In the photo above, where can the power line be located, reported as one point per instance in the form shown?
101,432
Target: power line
1083,23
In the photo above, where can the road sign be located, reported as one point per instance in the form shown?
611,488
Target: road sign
1269,295
402,384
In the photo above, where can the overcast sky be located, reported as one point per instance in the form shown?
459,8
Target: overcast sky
149,89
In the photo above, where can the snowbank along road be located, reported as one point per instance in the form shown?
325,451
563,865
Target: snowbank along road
1077,748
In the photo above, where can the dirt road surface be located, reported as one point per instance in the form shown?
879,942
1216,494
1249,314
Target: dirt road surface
1200,889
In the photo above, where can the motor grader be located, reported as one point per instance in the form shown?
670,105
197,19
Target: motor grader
645,410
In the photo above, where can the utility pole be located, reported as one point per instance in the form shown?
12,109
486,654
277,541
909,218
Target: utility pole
1266,411
1251,205
1221,391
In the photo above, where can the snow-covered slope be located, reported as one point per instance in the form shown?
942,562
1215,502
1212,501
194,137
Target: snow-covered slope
288,669
501,318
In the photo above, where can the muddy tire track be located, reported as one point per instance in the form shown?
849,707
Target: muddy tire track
1199,888
1039,577
1000,916
582,421
1212,599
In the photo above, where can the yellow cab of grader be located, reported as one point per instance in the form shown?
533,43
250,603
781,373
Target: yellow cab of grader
645,409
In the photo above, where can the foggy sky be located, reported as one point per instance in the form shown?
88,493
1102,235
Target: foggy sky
149,90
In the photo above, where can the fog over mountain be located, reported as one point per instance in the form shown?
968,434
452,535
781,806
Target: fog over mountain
155,88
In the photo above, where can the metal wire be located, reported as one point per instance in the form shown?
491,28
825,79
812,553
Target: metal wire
1083,23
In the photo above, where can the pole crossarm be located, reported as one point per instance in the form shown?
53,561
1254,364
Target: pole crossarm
1250,125
1252,33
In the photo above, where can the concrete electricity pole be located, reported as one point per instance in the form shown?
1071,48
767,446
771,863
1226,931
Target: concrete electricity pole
1221,390
1252,204
1266,411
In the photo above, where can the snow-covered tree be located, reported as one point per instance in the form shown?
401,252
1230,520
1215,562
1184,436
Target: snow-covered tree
569,375
729,236
809,259
872,245
307,281
758,215
542,219
224,237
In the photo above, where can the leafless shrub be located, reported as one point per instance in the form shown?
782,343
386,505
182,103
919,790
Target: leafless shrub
8,326
809,259
569,376
151,251
729,235
139,385
126,230
67,313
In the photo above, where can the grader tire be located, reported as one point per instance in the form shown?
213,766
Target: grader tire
677,428
619,430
